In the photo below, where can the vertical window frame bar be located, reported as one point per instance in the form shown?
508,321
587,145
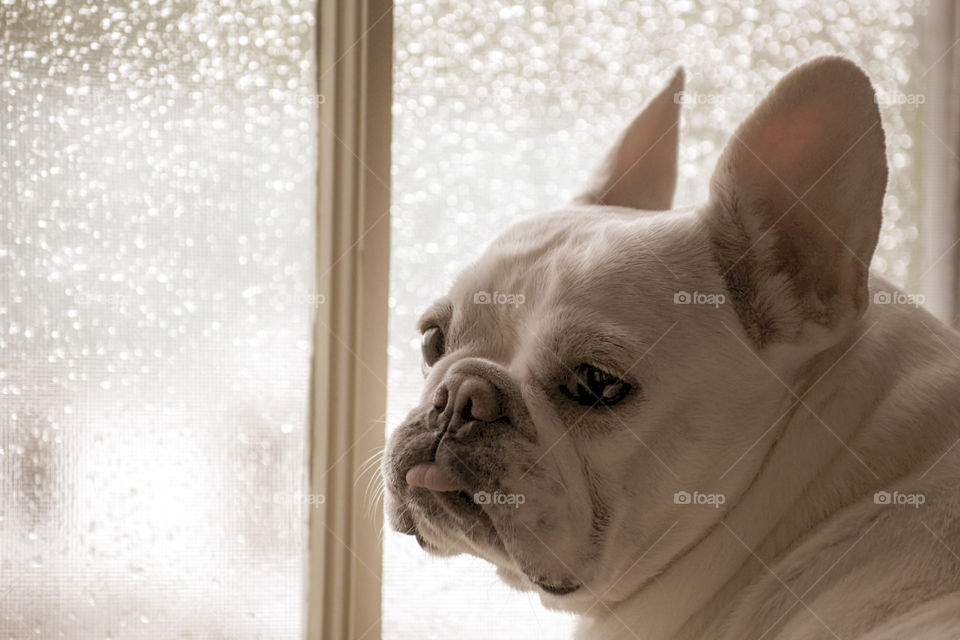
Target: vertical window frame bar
348,403
941,148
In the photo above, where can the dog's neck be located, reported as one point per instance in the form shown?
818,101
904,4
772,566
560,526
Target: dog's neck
839,436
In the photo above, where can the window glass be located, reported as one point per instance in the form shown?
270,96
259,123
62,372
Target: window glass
157,172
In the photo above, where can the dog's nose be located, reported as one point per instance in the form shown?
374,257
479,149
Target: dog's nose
463,398
477,398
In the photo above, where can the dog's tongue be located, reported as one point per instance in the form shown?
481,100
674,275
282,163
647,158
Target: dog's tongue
429,475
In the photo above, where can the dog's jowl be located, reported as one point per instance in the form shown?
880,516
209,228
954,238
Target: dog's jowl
709,422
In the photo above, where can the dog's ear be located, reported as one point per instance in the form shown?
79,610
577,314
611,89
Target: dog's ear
795,204
640,171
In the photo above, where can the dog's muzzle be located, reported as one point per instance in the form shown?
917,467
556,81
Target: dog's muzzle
473,432
466,407
457,441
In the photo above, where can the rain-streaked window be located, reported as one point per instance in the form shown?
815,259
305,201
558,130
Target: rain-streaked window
501,109
157,171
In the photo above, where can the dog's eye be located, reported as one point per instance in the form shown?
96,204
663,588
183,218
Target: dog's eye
431,346
591,386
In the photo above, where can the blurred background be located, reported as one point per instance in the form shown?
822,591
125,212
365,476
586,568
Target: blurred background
157,172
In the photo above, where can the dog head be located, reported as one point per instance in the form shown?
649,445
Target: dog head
601,366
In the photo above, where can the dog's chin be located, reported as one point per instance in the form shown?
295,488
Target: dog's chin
437,535
520,581
445,523
514,578
556,594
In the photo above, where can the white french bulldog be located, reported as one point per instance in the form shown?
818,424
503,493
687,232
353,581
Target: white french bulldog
707,422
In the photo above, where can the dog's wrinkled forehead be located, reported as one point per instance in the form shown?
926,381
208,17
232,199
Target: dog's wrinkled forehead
571,270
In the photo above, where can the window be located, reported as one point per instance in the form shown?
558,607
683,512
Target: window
196,226
157,178
501,109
